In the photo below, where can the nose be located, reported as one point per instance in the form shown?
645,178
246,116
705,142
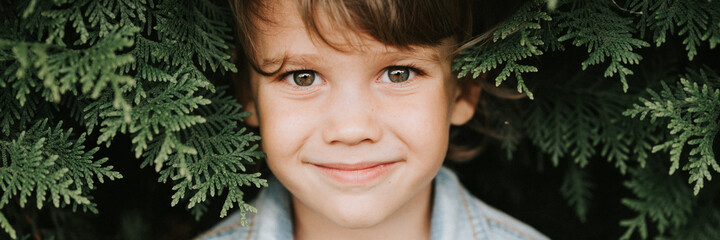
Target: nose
351,118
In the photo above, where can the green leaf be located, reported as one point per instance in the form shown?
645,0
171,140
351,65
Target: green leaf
663,199
605,34
576,190
515,40
693,115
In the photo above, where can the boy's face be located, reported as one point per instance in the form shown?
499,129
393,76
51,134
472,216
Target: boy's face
355,135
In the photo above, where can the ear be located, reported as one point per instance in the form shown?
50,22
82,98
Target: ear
252,120
466,100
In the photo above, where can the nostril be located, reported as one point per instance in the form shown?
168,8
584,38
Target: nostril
352,133
349,143
350,136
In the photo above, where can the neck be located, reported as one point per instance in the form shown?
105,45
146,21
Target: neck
412,221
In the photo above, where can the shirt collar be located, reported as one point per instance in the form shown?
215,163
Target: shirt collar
451,214
274,220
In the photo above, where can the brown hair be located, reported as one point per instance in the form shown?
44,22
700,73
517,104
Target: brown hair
396,23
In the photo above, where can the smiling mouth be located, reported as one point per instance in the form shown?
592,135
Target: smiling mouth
355,174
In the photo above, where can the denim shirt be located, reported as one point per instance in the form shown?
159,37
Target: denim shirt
456,214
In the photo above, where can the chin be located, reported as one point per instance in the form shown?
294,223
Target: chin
357,223
357,217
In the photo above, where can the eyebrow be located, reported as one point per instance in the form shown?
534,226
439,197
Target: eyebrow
431,57
286,59
305,59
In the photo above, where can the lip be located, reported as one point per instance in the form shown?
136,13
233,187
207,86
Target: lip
355,174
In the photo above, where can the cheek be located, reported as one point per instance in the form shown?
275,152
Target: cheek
284,127
422,123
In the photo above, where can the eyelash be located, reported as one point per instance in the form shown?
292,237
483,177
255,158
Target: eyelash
290,72
412,67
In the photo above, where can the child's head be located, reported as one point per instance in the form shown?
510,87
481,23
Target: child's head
355,99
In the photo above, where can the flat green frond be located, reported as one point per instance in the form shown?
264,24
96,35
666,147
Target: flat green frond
662,199
91,56
5,225
606,35
514,41
702,225
527,17
691,17
638,223
166,107
15,115
713,31
64,70
73,155
576,189
39,162
693,115
218,163
187,30
575,122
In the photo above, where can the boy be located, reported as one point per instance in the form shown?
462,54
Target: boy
354,101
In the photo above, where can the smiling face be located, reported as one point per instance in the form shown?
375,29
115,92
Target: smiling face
355,131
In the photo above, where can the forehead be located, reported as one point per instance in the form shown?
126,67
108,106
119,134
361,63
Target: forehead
282,34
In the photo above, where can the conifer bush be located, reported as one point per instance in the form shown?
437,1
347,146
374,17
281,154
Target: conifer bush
632,83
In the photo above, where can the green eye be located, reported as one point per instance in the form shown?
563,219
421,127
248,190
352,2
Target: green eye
398,74
304,78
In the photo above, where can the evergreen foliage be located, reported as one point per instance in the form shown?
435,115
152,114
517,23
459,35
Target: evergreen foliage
45,161
148,70
508,48
580,116
141,68
605,33
577,189
693,113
